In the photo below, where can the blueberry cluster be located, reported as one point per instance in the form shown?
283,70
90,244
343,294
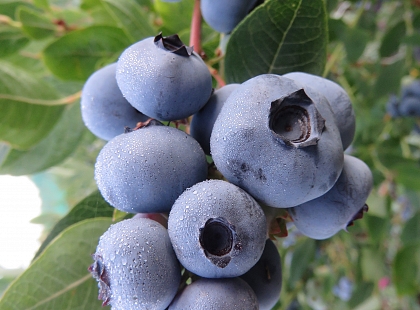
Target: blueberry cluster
409,104
198,242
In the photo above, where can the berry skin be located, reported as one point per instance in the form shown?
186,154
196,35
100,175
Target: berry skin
105,111
265,278
393,106
223,16
135,266
217,229
338,99
220,294
325,216
409,106
277,141
411,90
163,78
144,171
203,121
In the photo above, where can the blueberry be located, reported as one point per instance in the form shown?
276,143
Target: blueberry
265,278
338,99
203,121
105,111
325,216
409,106
411,90
163,78
220,294
223,16
393,106
147,169
135,266
277,141
217,229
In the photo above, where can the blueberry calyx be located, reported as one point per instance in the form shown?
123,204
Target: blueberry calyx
219,240
358,215
149,122
173,44
99,272
295,121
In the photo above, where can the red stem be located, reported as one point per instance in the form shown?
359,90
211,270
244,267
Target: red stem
195,35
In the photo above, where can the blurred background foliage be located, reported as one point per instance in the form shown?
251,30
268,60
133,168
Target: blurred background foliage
48,48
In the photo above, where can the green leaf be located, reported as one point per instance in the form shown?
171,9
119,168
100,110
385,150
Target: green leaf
372,270
378,228
53,149
23,123
12,40
278,37
407,174
34,24
302,256
76,55
362,292
8,7
43,4
168,11
405,270
4,151
411,231
131,18
392,40
90,207
59,279
355,41
389,79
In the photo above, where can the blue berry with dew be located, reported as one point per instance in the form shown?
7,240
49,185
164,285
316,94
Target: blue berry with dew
217,229
145,170
135,266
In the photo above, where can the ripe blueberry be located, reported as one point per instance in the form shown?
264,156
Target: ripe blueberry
135,266
220,294
277,141
147,169
338,99
203,121
217,229
163,78
325,216
223,16
105,111
265,278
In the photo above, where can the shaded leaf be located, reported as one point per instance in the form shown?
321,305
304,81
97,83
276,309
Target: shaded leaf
8,7
378,228
54,148
12,40
411,231
371,269
59,279
90,207
392,40
278,37
169,11
405,270
4,151
35,24
76,55
22,123
361,293
132,18
355,41
304,253
407,174
389,79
